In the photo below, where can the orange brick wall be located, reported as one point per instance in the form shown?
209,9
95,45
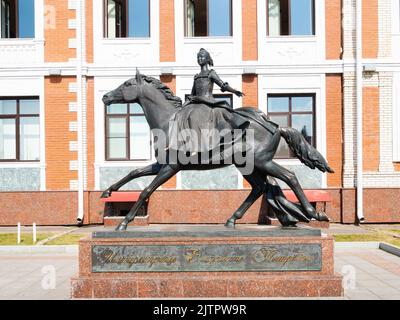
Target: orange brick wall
170,81
333,27
90,133
167,31
250,89
370,28
56,39
57,117
371,128
249,27
89,31
334,128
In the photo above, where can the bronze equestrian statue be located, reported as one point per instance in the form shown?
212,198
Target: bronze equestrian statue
201,113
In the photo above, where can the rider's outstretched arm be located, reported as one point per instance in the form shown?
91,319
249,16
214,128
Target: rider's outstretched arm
224,85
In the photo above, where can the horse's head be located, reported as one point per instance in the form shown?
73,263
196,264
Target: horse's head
128,92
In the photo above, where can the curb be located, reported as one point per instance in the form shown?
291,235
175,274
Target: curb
390,248
357,245
67,249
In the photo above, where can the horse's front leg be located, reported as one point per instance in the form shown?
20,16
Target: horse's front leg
149,170
165,173
258,188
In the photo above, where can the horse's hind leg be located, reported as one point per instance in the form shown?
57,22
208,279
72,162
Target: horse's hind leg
165,173
258,188
275,170
149,170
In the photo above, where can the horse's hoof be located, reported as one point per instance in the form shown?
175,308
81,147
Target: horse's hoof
321,216
106,194
122,227
289,225
230,224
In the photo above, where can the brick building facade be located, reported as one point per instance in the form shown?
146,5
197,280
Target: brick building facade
55,162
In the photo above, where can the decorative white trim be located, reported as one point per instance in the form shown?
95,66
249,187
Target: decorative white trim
72,87
349,128
385,29
119,164
73,126
396,116
72,106
73,146
395,17
42,124
72,4
378,179
386,122
73,185
73,165
72,43
72,24
17,165
179,181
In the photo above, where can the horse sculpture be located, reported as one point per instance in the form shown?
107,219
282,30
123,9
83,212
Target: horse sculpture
160,107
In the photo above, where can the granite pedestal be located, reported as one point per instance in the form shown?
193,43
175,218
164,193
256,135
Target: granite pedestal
207,261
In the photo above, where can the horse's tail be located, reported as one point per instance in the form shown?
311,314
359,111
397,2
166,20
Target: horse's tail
304,151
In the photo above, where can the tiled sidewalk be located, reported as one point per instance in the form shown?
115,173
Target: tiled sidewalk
376,273
31,276
369,274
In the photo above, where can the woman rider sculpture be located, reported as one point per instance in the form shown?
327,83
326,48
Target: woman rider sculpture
221,116
202,91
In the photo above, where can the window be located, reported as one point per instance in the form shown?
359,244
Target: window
127,18
19,129
290,17
127,133
17,19
208,18
296,111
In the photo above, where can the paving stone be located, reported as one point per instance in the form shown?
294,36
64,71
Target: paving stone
21,275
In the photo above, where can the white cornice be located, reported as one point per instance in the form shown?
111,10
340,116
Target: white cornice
97,70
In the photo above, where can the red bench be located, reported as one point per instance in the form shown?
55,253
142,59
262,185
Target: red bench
120,196
312,196
317,197
119,204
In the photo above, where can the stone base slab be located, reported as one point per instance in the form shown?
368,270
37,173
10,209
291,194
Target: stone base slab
312,224
114,264
205,286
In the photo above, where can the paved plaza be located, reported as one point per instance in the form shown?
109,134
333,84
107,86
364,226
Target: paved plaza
368,274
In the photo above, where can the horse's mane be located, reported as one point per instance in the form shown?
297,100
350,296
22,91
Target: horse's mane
166,91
